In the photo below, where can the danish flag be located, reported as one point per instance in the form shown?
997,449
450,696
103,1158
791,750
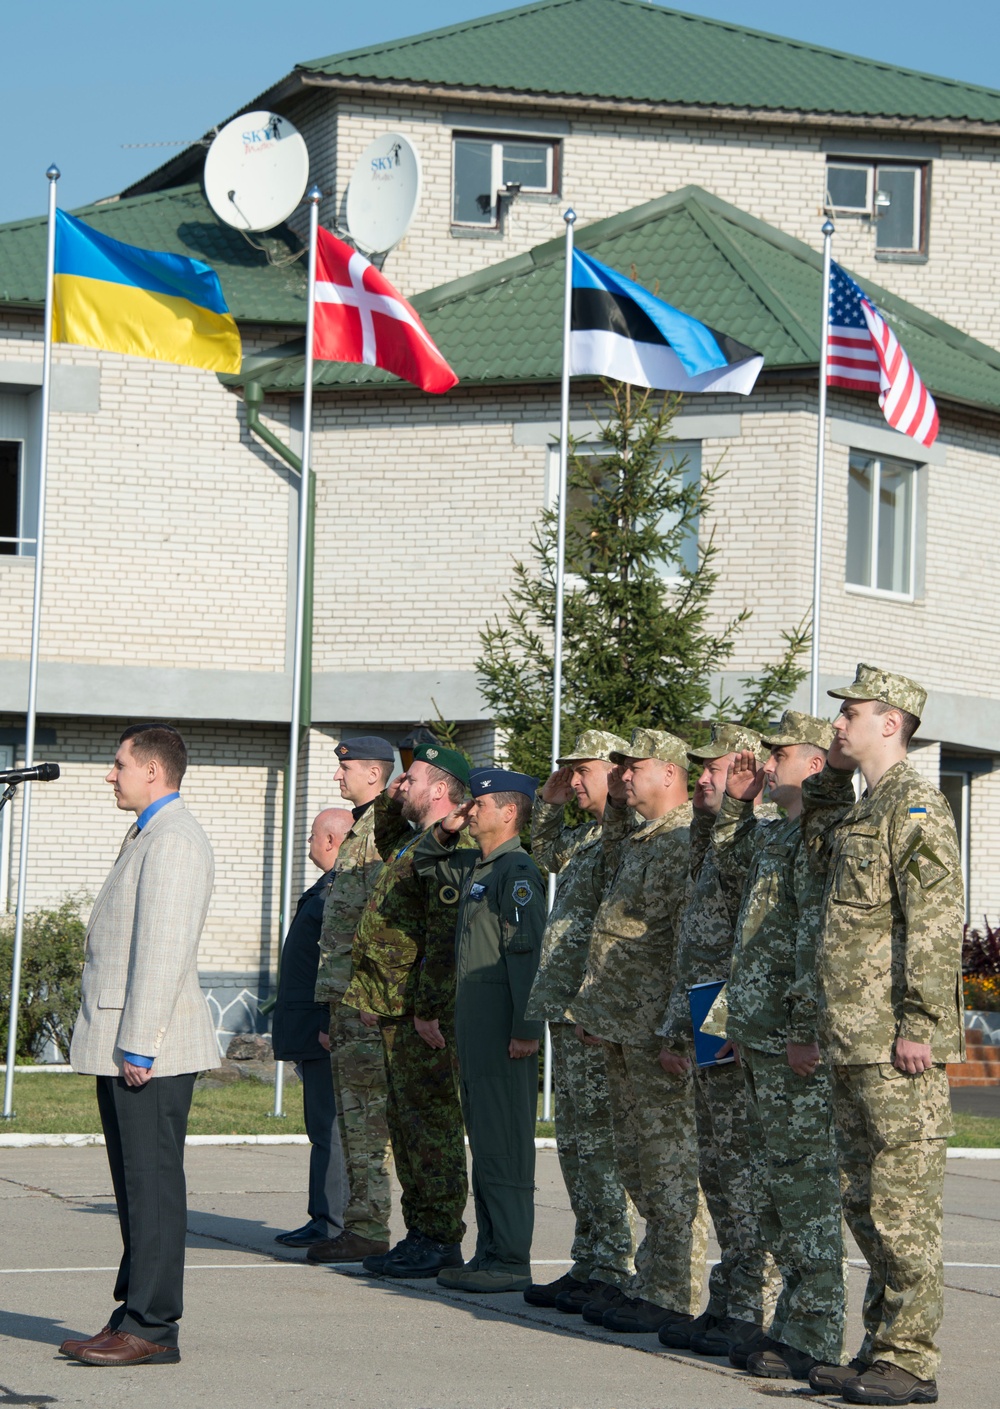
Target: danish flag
361,318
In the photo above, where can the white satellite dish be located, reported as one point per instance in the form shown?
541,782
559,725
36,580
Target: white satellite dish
384,191
256,171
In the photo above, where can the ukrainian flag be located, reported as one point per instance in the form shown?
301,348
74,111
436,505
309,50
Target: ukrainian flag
124,299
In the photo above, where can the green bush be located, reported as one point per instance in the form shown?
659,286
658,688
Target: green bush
51,966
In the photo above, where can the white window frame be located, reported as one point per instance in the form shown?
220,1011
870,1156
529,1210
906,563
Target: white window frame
597,450
861,589
497,142
873,166
869,168
966,778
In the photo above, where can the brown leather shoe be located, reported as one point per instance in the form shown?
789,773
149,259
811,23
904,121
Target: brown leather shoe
346,1247
120,1348
70,1347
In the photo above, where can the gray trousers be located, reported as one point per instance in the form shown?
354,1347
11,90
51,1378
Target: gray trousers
327,1174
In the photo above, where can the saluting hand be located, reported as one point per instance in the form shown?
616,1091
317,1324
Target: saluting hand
454,821
393,787
745,780
616,786
557,787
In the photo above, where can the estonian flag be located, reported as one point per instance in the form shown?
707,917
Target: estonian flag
622,332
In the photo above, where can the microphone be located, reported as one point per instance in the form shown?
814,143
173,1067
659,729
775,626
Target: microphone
41,773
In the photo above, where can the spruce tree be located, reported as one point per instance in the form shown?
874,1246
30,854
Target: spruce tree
638,650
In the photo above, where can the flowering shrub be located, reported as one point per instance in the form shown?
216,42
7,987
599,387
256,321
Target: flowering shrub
981,968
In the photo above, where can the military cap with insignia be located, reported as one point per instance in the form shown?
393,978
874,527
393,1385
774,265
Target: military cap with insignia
593,743
483,781
368,747
449,760
870,683
653,743
729,738
797,728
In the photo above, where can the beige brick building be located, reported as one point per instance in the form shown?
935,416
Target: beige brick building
170,532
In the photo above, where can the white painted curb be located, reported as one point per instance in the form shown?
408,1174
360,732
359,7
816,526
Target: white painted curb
27,1141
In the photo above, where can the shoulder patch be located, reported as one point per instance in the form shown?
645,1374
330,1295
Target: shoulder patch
448,895
915,810
521,893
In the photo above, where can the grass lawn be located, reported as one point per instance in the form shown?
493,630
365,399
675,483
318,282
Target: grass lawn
66,1105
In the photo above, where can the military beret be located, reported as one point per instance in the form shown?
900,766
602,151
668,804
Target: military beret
593,743
450,760
796,728
500,780
653,743
368,747
870,683
728,738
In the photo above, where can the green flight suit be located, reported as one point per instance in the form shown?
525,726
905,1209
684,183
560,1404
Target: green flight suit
498,937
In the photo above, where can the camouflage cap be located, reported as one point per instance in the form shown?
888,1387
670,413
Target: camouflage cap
797,728
728,738
593,743
449,760
870,683
653,743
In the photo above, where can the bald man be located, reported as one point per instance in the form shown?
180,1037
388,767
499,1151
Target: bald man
299,1034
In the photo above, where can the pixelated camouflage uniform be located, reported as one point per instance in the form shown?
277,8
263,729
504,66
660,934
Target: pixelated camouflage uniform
604,1241
771,999
628,978
743,1284
355,1050
889,967
404,966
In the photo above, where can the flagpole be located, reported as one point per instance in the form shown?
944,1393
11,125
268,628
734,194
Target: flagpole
557,653
53,175
827,233
313,196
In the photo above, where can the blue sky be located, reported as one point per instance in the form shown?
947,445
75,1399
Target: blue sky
85,79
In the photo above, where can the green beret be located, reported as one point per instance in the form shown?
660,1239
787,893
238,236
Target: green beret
448,760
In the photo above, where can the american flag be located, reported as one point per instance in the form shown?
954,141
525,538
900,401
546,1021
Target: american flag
863,354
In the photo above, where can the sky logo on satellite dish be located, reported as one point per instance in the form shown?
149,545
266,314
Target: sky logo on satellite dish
256,171
257,137
387,162
383,194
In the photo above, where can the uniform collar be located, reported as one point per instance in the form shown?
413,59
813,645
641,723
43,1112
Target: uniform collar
512,844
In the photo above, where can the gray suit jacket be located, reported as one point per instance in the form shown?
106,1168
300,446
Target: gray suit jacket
140,990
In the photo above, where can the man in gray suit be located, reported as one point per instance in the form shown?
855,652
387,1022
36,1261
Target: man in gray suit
144,1031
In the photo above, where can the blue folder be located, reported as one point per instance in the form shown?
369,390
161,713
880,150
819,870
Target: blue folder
700,999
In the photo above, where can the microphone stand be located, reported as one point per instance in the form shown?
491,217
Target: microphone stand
7,794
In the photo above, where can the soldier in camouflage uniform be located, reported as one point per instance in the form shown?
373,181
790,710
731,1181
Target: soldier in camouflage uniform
890,1017
743,1284
629,975
355,1050
604,1242
771,1002
404,974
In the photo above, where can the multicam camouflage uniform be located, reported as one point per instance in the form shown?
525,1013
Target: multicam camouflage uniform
743,1284
889,968
629,974
355,1050
604,1242
771,997
404,965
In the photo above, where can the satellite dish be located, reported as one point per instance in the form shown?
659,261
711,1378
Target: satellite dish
384,191
256,171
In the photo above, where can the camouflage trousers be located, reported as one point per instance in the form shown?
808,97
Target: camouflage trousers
360,1086
744,1282
892,1133
604,1241
425,1125
656,1149
797,1195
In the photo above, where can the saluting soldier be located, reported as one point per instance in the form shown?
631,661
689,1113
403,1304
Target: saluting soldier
501,916
604,1240
771,1003
404,983
890,1017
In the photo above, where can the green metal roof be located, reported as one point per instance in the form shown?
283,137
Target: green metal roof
176,221
628,50
736,273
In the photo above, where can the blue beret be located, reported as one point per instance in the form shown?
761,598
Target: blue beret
367,746
500,780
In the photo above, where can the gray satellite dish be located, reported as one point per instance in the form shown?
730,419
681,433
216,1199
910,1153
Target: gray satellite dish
256,171
384,192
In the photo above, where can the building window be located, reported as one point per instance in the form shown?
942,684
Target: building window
881,519
956,784
10,476
484,166
686,455
892,194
